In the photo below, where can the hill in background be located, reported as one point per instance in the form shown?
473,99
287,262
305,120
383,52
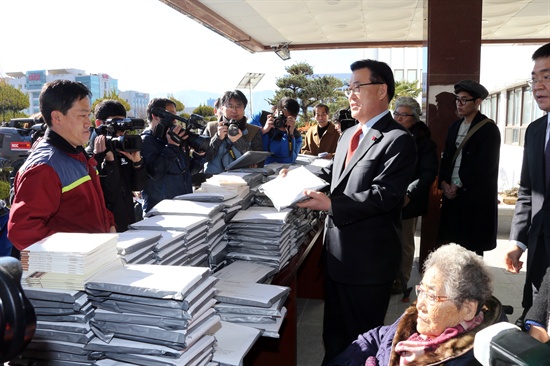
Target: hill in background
193,98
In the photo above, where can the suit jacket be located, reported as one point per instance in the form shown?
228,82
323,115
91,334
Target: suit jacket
313,144
531,218
363,226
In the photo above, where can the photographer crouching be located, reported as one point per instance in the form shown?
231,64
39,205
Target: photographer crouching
166,151
231,136
119,161
279,136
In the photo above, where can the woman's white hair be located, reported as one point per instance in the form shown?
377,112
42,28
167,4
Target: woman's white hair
412,104
465,275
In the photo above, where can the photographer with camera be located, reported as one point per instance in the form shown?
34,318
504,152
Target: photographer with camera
343,120
231,136
166,152
119,162
279,136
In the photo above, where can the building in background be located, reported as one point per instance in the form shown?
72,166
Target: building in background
138,103
31,83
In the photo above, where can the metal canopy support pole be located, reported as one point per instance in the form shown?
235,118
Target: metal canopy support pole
250,80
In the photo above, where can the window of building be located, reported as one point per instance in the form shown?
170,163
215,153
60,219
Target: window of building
398,74
489,107
412,75
521,110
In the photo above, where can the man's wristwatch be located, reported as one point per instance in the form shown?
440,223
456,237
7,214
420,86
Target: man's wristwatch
137,164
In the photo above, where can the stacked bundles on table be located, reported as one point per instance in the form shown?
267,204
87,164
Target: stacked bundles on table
56,269
138,246
213,211
62,328
153,315
261,234
245,302
68,260
191,250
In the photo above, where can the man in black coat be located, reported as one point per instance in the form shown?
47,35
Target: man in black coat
531,222
121,173
369,175
469,177
407,113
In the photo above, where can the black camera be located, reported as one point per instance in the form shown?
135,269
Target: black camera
128,143
232,127
199,143
280,120
344,117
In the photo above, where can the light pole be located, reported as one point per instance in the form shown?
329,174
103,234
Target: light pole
250,80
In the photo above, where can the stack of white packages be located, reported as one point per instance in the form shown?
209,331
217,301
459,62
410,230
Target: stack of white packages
213,211
245,301
67,260
261,234
192,249
62,328
55,272
138,246
226,182
153,315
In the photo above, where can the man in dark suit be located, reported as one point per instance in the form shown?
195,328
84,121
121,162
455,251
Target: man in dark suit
531,223
368,179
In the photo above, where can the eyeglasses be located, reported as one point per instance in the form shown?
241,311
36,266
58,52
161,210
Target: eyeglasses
234,107
463,101
545,79
399,115
356,88
430,297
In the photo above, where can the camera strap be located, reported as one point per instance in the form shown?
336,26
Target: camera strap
229,148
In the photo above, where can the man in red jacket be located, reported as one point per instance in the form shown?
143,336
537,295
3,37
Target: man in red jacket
57,189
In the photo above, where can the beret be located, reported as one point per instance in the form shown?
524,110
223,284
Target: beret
476,90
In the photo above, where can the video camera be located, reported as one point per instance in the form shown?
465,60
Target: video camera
128,143
280,120
343,116
504,344
199,143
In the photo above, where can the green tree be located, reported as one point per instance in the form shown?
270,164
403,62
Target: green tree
112,95
405,89
179,105
12,100
204,111
307,88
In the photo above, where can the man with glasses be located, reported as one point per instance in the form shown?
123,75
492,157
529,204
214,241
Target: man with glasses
368,177
231,136
531,222
407,113
323,138
468,174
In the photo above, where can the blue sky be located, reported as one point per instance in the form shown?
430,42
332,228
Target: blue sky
145,44
149,47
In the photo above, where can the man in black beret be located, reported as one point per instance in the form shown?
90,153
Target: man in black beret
468,174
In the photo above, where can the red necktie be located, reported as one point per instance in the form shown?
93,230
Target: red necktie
354,142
